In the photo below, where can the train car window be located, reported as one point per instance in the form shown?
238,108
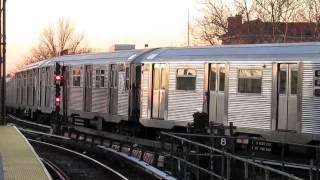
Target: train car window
76,76
222,75
100,78
186,79
317,92
249,81
294,81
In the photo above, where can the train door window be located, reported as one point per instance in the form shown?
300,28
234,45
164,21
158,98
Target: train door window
113,77
294,80
282,80
222,75
156,79
249,81
213,76
76,76
100,78
186,79
163,78
127,78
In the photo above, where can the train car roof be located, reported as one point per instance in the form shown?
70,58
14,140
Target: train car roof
250,52
88,58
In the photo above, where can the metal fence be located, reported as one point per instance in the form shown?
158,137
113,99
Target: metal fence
193,160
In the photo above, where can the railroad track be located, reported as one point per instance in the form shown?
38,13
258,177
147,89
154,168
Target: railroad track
89,140
75,165
132,169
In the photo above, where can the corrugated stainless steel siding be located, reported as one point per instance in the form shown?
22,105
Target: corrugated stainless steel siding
144,93
99,100
123,97
310,114
76,98
250,110
182,104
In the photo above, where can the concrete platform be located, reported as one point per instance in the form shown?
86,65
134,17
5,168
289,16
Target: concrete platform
18,159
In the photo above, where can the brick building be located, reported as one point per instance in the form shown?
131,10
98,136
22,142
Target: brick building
257,31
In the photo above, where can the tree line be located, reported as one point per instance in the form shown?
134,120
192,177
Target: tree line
213,22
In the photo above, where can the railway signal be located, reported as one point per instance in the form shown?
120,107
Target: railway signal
58,80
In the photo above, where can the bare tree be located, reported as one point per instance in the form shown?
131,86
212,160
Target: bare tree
270,10
213,23
58,40
313,14
246,8
290,13
276,11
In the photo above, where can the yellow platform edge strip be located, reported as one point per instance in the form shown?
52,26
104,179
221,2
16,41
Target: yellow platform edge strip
20,161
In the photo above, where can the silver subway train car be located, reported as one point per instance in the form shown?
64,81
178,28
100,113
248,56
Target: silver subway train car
260,88
96,85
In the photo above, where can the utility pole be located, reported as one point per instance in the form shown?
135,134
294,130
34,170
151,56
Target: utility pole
3,59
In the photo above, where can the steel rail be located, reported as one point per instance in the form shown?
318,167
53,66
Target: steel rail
44,134
83,156
28,122
58,172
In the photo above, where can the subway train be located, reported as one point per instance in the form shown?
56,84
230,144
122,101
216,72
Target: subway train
272,90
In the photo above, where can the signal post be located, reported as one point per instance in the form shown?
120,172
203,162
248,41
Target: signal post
59,82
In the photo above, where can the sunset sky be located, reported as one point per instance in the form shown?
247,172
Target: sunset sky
105,22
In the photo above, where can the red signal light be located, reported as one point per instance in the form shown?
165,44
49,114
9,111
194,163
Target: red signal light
58,99
58,77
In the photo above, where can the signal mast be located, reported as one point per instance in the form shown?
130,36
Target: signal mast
58,81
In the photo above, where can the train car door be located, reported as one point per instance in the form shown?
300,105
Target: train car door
159,88
216,90
87,88
135,89
287,96
113,103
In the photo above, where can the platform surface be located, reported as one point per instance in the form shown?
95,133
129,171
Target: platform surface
19,160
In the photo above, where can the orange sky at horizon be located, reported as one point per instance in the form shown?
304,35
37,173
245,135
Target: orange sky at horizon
154,22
